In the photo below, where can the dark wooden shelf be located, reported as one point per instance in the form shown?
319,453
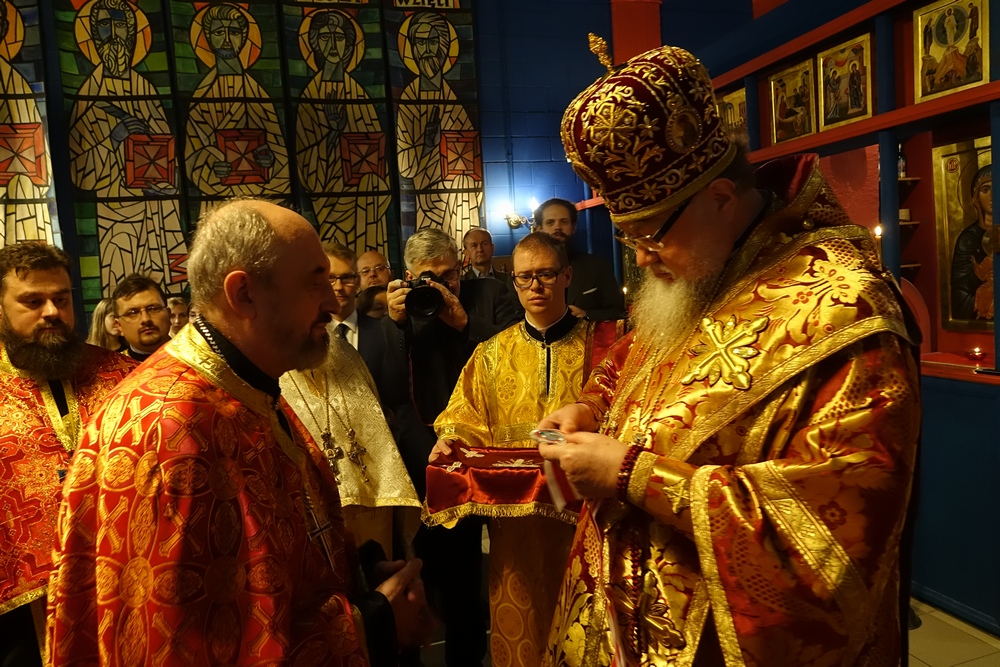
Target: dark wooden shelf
909,179
909,223
912,266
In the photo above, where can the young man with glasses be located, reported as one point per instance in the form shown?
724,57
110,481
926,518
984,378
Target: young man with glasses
512,381
373,269
747,452
142,315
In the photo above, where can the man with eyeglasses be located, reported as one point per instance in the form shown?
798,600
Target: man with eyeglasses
747,452
51,383
436,350
512,381
142,315
595,294
373,269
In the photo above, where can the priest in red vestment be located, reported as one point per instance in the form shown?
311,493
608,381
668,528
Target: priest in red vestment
50,384
201,524
747,453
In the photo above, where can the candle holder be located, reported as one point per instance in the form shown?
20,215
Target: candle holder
976,354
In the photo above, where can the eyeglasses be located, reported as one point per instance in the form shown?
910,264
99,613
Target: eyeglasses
450,276
378,268
545,278
651,242
133,314
346,279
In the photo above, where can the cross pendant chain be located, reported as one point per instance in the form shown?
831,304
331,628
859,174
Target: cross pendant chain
356,453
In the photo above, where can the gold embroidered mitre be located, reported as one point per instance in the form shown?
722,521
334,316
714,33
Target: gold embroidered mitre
648,135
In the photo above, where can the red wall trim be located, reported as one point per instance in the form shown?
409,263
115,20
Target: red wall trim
635,27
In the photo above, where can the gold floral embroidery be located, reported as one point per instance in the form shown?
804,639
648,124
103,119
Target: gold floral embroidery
728,351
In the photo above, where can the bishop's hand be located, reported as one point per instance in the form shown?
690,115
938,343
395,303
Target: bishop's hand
591,462
570,418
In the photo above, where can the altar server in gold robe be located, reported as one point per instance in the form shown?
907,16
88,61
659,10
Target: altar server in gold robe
51,383
748,451
511,381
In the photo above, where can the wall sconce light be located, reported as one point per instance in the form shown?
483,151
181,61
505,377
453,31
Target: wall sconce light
515,220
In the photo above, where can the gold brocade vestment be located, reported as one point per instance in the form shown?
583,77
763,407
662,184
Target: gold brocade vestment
507,386
196,531
781,437
36,444
375,489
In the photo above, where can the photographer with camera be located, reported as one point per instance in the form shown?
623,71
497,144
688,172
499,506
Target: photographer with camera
442,319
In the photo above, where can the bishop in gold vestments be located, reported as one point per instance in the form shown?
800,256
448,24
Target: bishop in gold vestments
773,436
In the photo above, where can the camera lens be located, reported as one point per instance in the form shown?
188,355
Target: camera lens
423,302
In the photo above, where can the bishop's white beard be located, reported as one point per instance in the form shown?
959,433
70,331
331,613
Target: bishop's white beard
664,313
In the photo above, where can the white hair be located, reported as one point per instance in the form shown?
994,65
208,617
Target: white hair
426,246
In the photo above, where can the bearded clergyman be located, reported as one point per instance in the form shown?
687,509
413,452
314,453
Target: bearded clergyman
51,382
747,453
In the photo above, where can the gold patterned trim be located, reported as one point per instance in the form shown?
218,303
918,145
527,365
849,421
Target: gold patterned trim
814,540
23,599
8,368
673,199
779,374
190,347
67,429
639,479
379,502
760,432
728,639
451,516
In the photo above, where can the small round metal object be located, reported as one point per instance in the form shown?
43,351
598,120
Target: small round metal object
548,436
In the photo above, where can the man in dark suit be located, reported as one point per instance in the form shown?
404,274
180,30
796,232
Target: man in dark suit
478,246
594,293
363,333
437,349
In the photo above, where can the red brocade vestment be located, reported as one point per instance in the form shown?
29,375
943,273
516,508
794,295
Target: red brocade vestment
763,522
36,443
196,531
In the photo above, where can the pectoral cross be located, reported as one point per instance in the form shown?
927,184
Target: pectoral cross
332,452
356,453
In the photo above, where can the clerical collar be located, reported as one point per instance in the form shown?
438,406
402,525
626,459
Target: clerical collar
553,332
137,355
236,360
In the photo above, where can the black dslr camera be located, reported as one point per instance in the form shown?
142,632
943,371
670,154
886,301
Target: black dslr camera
423,301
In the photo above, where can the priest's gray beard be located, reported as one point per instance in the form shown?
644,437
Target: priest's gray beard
664,312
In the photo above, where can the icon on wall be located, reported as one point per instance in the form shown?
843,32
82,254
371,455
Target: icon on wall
793,108
951,47
733,111
963,186
845,83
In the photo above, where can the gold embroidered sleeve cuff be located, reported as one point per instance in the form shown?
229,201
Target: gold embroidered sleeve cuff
667,491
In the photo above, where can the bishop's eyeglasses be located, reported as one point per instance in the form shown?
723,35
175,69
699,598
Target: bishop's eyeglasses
653,242
545,278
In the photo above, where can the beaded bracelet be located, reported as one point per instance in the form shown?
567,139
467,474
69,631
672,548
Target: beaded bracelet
625,472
